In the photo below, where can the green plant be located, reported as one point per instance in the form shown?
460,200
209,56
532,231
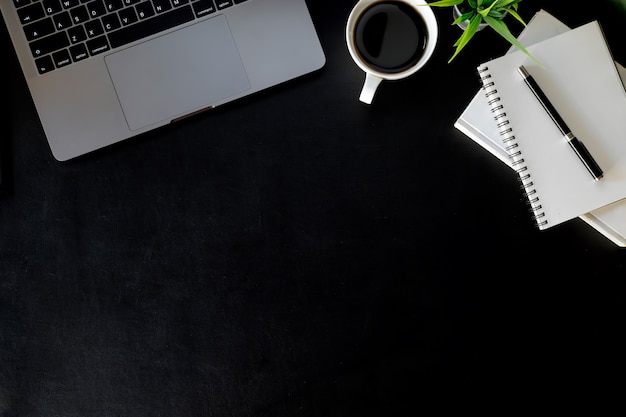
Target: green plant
491,12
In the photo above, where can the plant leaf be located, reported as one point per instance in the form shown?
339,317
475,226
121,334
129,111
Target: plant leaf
468,33
503,4
517,17
445,3
467,16
501,28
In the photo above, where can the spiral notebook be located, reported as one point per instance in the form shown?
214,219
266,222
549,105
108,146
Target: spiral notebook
477,123
581,79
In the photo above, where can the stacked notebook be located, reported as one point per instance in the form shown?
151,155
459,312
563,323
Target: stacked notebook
583,82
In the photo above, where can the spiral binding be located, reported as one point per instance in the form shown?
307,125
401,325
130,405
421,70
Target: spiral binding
512,147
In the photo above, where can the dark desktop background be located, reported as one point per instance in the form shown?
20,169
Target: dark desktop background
300,254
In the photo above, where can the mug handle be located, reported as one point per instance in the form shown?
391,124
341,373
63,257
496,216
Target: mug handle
369,88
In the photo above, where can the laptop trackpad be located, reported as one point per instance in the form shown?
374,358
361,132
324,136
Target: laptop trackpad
177,73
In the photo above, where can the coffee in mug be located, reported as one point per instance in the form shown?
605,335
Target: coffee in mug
390,39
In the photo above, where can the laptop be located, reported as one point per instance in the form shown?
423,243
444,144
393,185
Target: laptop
102,71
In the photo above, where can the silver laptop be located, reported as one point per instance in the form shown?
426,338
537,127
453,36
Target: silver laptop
101,71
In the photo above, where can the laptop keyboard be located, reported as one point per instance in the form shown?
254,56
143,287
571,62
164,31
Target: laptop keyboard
61,32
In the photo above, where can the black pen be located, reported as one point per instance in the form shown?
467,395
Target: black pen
1,151
578,147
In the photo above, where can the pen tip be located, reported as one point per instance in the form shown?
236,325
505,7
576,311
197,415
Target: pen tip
522,70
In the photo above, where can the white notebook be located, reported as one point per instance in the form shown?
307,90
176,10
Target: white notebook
477,123
581,79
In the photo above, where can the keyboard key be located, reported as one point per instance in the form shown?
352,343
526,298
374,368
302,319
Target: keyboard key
77,34
20,3
39,29
94,28
61,58
150,27
44,64
62,20
79,52
49,44
203,7
96,8
113,5
97,45
222,4
128,16
68,4
111,22
31,13
162,5
79,14
144,10
52,6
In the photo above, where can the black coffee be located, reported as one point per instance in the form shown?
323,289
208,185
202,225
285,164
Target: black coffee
390,36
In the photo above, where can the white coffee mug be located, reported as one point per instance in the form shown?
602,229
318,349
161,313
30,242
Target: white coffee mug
390,40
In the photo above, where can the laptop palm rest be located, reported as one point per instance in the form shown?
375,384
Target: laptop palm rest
204,59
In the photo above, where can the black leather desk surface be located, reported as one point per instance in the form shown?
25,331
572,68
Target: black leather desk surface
296,253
